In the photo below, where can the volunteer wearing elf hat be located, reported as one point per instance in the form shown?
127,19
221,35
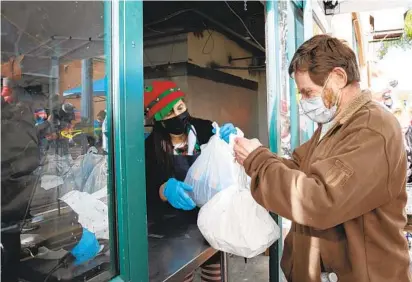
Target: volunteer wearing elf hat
171,149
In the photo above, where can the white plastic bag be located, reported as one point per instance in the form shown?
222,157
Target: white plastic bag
230,219
93,213
214,170
234,223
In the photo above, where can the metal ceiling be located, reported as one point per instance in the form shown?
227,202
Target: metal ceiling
196,16
43,30
72,30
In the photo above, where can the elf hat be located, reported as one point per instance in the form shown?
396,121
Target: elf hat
160,98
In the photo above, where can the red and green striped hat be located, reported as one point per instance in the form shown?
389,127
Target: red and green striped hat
160,98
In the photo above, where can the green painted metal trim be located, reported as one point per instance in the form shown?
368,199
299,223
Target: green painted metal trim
119,129
299,4
308,33
294,108
109,118
274,119
128,85
273,96
117,279
299,39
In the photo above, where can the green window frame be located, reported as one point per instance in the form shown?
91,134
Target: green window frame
127,209
273,72
299,3
295,38
124,50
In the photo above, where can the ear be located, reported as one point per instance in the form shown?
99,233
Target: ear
340,77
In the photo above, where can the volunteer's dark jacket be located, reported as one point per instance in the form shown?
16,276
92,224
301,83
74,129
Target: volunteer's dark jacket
156,174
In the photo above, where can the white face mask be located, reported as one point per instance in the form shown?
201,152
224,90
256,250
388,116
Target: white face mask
315,109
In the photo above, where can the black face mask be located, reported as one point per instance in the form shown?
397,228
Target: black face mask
176,125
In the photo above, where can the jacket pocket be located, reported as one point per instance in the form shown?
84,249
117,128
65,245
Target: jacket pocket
335,256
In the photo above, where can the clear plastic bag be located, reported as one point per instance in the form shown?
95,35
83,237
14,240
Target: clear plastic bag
97,179
87,173
55,164
83,167
214,170
56,171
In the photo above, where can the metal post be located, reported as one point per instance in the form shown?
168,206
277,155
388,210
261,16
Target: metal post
53,91
58,201
308,20
53,81
127,84
224,266
273,80
308,33
294,109
263,132
87,91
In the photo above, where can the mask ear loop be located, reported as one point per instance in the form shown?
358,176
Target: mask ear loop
323,88
339,95
339,98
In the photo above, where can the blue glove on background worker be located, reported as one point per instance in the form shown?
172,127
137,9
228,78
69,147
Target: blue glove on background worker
225,131
87,248
175,193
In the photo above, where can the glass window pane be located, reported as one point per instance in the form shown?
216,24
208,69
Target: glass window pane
54,155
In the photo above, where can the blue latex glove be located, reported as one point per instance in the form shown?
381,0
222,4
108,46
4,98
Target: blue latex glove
87,248
175,193
225,131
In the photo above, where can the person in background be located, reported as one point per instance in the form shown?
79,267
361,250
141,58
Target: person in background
408,145
344,189
42,124
40,116
402,110
105,135
171,149
20,157
98,123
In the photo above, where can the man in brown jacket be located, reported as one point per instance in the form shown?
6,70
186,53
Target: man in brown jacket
344,190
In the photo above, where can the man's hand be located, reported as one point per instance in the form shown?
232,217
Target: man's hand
243,147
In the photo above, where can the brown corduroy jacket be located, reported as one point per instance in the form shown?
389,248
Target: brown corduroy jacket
345,194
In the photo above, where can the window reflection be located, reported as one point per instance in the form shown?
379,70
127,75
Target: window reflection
54,213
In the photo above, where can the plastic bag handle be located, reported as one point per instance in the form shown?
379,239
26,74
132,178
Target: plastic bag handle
216,127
